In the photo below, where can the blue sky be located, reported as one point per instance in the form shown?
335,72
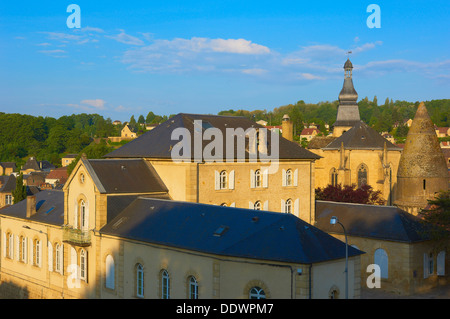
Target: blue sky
132,57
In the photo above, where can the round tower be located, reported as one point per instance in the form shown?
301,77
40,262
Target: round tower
287,128
422,170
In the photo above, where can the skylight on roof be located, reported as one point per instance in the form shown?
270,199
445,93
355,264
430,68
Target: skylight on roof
221,230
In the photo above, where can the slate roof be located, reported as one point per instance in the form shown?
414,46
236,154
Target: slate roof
158,143
318,142
124,176
8,164
370,221
49,208
359,137
32,163
8,183
226,231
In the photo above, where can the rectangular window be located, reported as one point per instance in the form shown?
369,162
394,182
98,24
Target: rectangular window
8,200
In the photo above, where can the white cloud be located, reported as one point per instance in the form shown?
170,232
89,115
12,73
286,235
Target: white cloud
122,37
196,54
309,76
97,103
254,71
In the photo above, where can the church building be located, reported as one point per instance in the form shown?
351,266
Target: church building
355,154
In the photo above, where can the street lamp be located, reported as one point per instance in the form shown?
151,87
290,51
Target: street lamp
333,221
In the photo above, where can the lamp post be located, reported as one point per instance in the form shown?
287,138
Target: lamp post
333,221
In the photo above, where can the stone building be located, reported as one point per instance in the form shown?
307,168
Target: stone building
229,176
355,154
392,239
114,232
422,170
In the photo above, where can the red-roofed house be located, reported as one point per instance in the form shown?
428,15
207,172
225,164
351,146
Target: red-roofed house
309,133
57,176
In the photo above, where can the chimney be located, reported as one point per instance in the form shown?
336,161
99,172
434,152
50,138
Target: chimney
31,206
287,128
262,141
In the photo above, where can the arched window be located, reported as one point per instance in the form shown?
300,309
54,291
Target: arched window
10,246
110,272
381,259
333,177
37,253
23,249
333,293
257,293
258,178
139,281
223,180
193,287
289,177
58,257
83,215
257,205
165,285
83,264
288,206
362,175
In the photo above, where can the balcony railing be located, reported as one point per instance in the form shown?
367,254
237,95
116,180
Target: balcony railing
76,236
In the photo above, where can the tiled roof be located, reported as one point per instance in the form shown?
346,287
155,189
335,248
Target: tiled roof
361,136
226,231
158,143
371,221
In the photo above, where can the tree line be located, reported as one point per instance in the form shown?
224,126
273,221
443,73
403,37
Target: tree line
49,138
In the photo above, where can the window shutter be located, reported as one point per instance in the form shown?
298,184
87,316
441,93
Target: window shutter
74,261
61,259
283,177
296,207
86,216
252,178
425,266
441,263
283,206
17,247
50,256
30,251
40,253
231,180
251,205
266,178
75,216
217,180
296,177
266,205
4,244
11,246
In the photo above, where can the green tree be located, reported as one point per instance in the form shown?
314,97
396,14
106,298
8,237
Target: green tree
436,217
20,192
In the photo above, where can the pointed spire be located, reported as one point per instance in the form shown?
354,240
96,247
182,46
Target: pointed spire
422,155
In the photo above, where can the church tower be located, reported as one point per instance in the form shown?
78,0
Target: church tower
348,112
422,169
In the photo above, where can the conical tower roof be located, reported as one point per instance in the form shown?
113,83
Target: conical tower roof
422,156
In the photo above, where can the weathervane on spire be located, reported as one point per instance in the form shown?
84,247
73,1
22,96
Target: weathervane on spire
348,54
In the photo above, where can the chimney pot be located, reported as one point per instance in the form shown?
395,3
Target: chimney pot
31,205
